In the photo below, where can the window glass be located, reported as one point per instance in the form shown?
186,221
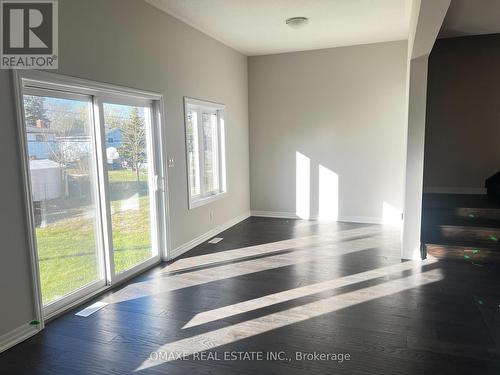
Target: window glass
63,185
205,151
129,171
193,151
210,152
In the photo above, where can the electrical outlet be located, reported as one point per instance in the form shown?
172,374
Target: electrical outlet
171,162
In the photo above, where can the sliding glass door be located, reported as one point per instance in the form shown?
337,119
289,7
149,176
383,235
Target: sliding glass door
130,182
62,165
93,163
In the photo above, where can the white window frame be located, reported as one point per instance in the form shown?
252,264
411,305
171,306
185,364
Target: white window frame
204,198
32,80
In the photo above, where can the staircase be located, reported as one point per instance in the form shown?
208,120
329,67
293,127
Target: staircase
461,227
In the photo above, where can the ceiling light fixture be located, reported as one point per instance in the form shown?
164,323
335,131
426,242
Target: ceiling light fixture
296,22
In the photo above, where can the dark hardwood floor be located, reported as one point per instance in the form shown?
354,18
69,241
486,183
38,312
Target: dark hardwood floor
275,285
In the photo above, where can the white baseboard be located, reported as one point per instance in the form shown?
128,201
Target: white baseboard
361,219
17,335
291,215
206,236
279,215
454,190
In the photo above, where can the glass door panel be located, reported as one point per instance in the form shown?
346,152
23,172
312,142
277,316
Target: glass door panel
130,183
62,166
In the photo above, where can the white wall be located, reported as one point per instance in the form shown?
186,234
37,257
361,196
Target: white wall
417,92
343,109
426,19
130,43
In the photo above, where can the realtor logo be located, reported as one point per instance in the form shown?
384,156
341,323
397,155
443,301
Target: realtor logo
29,34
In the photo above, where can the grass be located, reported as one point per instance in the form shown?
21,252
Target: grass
125,175
67,248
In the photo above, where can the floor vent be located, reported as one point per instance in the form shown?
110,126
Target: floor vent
89,310
216,240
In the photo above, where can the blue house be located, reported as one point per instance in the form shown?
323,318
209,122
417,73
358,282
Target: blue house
114,138
41,142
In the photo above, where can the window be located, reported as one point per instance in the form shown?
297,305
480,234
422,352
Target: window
205,151
96,210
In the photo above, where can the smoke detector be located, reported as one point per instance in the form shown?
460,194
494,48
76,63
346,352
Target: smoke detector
296,22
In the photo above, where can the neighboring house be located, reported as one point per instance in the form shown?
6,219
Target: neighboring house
74,148
113,143
114,138
41,142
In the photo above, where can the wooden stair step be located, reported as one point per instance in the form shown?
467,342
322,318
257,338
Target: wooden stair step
479,254
481,234
464,227
433,222
462,243
467,213
483,213
469,233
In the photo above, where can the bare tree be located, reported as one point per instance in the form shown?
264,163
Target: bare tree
72,139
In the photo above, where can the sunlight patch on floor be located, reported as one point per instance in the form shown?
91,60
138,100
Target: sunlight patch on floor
267,248
253,327
288,295
301,254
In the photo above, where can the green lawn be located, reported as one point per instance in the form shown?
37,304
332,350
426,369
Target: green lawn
67,248
125,175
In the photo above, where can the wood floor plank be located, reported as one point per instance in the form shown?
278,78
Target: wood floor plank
277,285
